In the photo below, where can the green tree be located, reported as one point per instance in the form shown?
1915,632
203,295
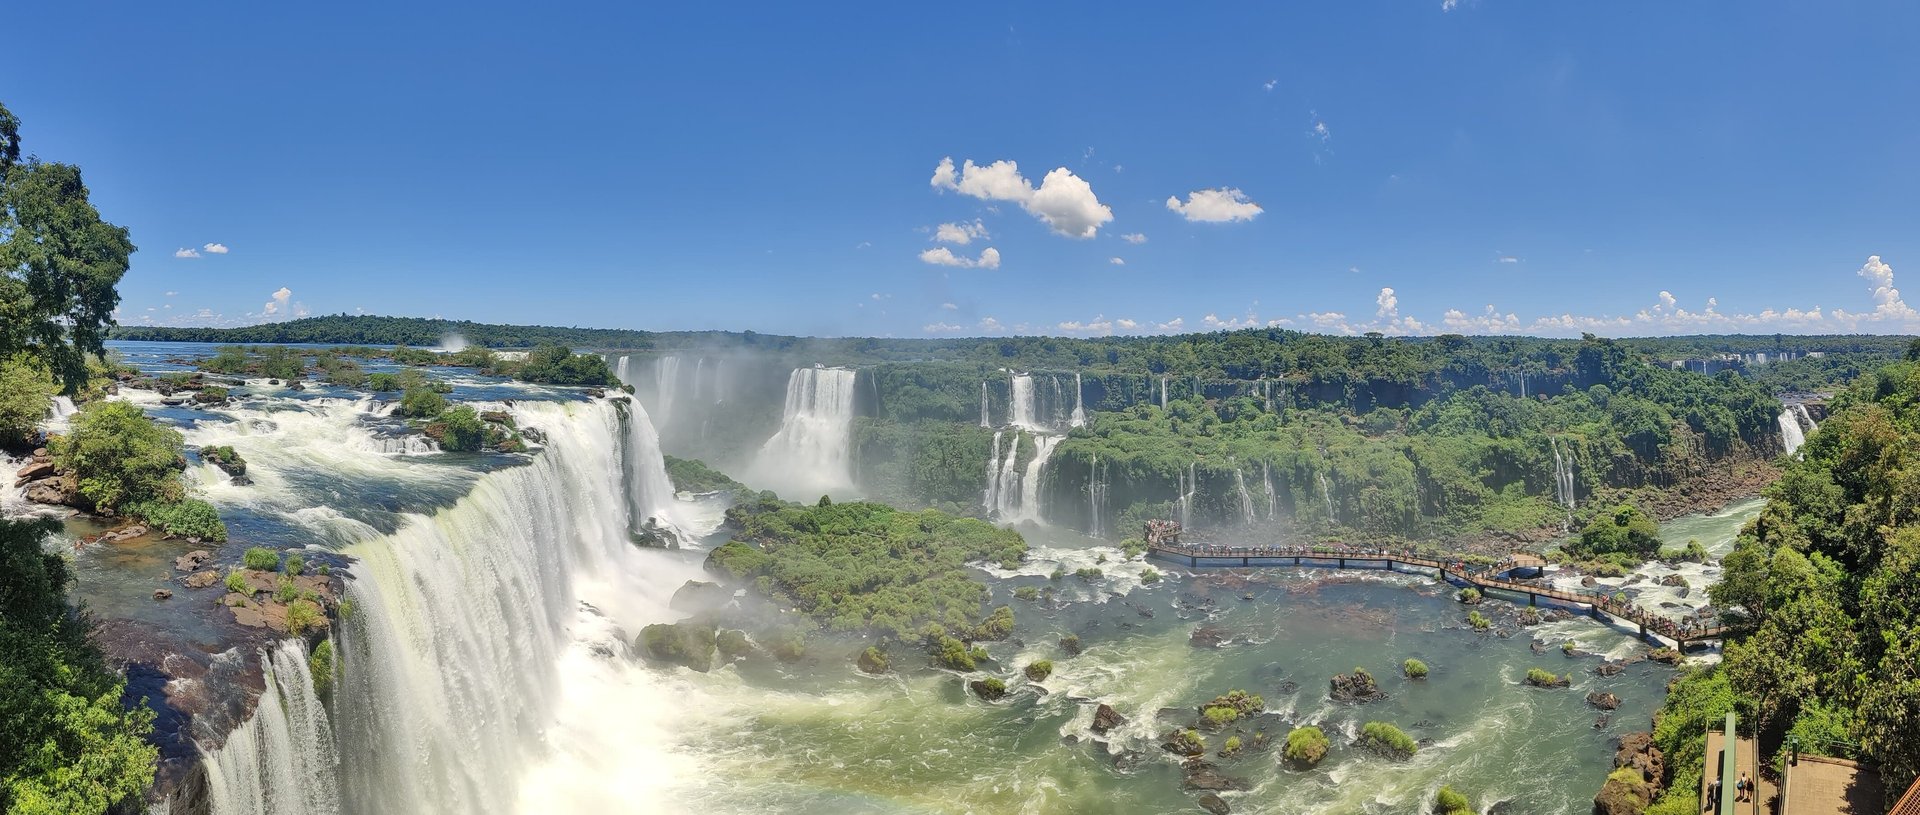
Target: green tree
121,457
26,390
59,263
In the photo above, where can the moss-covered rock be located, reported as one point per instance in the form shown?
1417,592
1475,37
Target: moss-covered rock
687,643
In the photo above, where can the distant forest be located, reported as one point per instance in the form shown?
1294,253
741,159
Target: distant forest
1238,355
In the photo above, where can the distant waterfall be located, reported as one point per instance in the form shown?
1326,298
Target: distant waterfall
1326,494
999,471
1021,410
1013,492
1096,500
1188,485
1790,434
666,386
984,421
1273,496
1030,482
649,491
1163,392
1799,409
1562,474
813,450
282,760
1246,498
1079,417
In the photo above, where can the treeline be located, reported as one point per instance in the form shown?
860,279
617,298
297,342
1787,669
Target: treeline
1253,354
1824,589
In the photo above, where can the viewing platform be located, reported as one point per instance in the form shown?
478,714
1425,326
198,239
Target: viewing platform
1498,578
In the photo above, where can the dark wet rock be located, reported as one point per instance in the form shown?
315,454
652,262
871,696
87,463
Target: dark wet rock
1623,794
1601,721
192,560
1530,616
1538,646
1556,615
1201,774
1609,668
1141,610
990,689
1069,739
653,534
162,594
870,661
1634,579
1502,808
1357,687
1207,636
122,534
1666,656
699,597
1105,719
1128,760
1289,686
1673,580
1544,679
1425,723
1603,700
1588,581
34,471
1213,804
1182,742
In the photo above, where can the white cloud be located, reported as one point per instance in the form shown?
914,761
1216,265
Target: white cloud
1389,305
1886,298
1171,325
184,252
1125,324
1096,327
278,304
1506,259
1063,201
949,307
1449,5
863,245
942,256
1117,261
960,233
1134,238
172,293
991,325
1215,206
942,328
1269,84
879,296
1320,129
215,248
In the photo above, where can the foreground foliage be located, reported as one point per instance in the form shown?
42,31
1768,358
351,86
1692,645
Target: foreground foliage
67,746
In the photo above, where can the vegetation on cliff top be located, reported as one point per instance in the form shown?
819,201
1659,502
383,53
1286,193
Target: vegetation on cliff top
862,565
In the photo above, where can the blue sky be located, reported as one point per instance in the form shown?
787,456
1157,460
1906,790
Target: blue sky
1625,168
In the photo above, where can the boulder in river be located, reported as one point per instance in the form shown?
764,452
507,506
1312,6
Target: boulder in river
34,471
1629,793
1206,636
1182,742
201,579
1105,719
1203,775
1356,687
699,597
990,689
1213,804
1603,700
192,560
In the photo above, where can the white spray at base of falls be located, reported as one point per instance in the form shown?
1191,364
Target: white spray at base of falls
812,453
282,760
1790,434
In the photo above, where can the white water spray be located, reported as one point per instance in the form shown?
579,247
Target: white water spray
282,760
812,453
1790,433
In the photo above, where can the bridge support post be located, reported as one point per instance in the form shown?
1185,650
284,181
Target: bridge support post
1533,599
1246,561
1643,631
1343,563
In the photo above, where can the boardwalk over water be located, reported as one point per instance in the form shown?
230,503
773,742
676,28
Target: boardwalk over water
1599,605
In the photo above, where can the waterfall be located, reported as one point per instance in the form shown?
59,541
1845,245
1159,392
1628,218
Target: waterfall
620,369
700,378
666,381
719,380
1326,494
813,450
1246,498
1020,403
1096,499
1806,419
59,415
1273,496
1030,482
649,490
990,501
984,422
282,760
1163,391
1079,417
1562,475
1188,485
1790,433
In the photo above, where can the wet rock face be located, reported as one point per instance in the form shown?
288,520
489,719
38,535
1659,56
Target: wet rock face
1603,701
1105,719
1622,795
1354,688
1213,804
699,597
1203,775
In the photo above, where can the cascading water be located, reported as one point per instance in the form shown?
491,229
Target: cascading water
1096,499
1790,433
1806,419
990,499
666,386
1326,495
984,421
282,760
1029,509
1563,475
1246,498
649,490
1021,411
1188,485
1079,417
812,453
1273,496
1163,392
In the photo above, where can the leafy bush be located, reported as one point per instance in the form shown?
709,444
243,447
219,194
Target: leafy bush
1229,707
1232,746
1026,593
261,558
1624,530
1448,802
26,392
1039,669
873,660
693,475
1387,740
1468,595
557,365
185,518
285,591
954,654
462,431
1305,747
990,688
1149,575
997,626
320,664
303,616
1089,573
1415,669
733,644
1545,679
121,457
422,402
1478,621
237,583
690,644
295,563
382,383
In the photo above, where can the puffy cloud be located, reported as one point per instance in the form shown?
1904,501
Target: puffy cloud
1320,129
1886,298
1449,5
184,252
942,256
1064,201
1174,324
942,328
1117,261
1097,327
960,233
1223,205
1134,238
991,325
1269,84
1388,304
949,306
1126,324
215,248
172,293
278,305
